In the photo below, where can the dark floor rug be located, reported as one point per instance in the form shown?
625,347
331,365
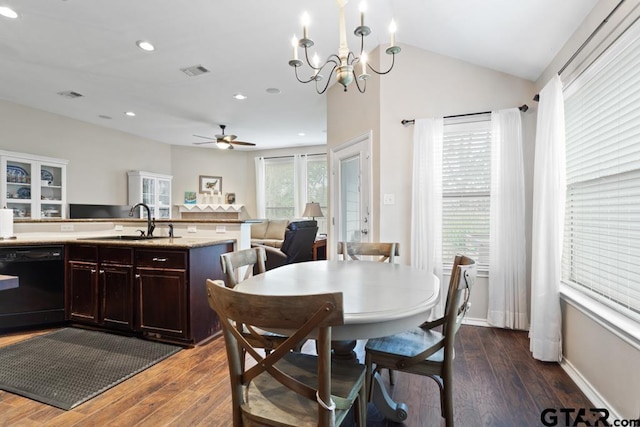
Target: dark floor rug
70,366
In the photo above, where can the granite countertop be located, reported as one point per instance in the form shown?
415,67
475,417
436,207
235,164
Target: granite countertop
125,220
185,242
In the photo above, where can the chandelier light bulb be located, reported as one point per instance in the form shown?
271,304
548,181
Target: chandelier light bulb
363,9
363,61
392,30
305,25
8,12
294,43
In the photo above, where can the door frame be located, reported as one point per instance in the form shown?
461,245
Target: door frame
365,142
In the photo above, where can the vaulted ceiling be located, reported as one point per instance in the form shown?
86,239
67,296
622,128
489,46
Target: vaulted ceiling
89,47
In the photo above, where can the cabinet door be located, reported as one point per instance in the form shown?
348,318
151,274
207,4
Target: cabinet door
163,206
83,291
149,192
162,309
116,286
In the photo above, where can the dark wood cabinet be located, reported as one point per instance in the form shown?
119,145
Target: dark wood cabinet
82,291
158,293
100,285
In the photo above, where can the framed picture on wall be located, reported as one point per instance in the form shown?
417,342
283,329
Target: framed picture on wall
210,184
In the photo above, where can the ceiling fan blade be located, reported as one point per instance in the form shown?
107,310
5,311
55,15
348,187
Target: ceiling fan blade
243,143
203,142
205,137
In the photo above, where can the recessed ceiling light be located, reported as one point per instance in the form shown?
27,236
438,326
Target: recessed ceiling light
239,96
302,134
130,114
273,90
145,45
8,12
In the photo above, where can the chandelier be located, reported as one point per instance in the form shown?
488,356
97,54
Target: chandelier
345,62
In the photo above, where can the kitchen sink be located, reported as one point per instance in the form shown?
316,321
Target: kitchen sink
128,237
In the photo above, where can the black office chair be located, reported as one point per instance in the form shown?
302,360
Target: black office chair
296,247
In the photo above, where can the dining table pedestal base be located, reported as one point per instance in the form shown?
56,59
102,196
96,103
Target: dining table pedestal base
391,410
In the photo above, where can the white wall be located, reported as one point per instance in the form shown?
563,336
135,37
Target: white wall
99,158
188,163
422,84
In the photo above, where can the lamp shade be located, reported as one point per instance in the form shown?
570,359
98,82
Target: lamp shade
313,210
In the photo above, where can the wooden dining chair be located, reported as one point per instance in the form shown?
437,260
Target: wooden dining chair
254,259
286,387
424,350
354,250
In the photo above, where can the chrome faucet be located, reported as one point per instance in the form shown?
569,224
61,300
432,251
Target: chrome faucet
150,221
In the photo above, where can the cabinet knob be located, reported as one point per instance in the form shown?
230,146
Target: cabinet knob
157,259
93,271
137,276
101,272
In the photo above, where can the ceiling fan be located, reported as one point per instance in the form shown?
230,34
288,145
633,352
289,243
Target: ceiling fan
223,141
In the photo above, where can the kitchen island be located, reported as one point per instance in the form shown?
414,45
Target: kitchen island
117,281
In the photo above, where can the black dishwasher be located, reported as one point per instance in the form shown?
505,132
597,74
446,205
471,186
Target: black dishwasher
39,297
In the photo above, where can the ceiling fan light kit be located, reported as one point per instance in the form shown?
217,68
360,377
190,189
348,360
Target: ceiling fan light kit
344,63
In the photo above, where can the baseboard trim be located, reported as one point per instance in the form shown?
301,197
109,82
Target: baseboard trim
476,322
585,386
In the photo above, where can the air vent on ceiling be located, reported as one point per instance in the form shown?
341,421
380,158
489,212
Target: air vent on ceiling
70,94
195,70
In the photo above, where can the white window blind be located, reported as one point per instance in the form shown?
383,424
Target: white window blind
466,188
601,253
279,188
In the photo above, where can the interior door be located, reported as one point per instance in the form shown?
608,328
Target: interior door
351,190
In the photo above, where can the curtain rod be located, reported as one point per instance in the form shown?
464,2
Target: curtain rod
292,155
536,97
407,122
591,36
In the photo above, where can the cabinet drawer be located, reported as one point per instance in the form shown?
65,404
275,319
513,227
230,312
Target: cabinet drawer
116,255
82,252
161,259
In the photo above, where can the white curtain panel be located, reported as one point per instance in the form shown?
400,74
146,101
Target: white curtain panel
426,205
260,188
299,184
507,271
549,187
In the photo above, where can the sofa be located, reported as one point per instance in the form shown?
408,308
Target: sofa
269,232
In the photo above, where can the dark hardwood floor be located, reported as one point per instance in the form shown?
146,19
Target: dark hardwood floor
497,383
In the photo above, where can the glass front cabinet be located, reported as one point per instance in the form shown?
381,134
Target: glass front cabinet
34,187
152,189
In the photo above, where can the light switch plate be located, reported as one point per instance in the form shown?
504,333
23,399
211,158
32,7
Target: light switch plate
389,199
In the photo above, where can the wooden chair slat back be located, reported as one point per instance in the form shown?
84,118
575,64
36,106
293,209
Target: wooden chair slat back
463,275
355,250
232,261
273,311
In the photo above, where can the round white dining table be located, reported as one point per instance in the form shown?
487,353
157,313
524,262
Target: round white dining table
379,298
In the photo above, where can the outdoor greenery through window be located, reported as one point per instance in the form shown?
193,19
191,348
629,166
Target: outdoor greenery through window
601,255
292,181
466,188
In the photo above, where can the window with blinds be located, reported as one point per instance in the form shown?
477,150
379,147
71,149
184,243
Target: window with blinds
466,188
279,188
601,253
